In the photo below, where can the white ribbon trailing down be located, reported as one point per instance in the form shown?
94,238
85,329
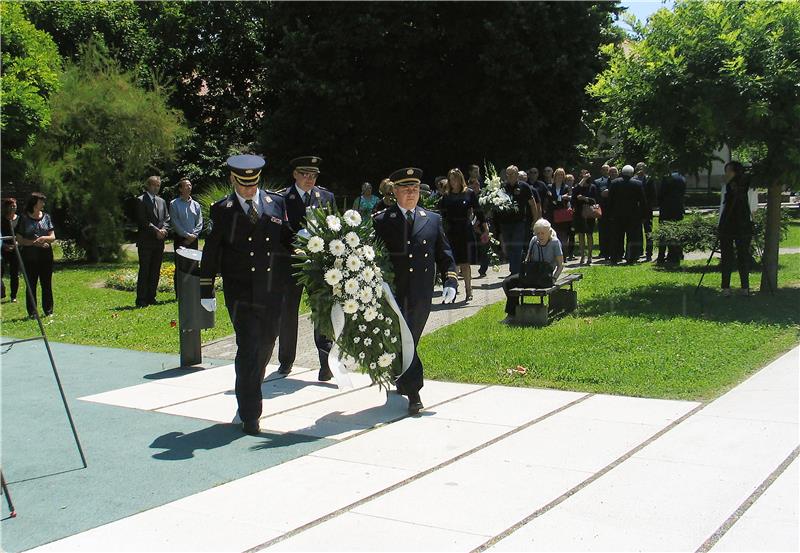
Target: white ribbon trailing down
337,366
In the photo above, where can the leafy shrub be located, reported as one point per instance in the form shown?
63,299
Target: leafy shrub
71,251
699,232
208,197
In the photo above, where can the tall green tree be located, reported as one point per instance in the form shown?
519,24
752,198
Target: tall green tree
708,74
106,136
211,54
28,77
374,86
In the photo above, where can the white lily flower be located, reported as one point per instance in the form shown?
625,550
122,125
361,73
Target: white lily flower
333,276
316,244
336,247
334,223
352,217
352,239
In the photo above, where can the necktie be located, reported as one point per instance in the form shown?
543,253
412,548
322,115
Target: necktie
409,221
251,211
307,199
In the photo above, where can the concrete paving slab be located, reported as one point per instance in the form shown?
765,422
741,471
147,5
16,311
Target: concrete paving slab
494,488
354,532
505,406
168,530
771,523
641,505
146,397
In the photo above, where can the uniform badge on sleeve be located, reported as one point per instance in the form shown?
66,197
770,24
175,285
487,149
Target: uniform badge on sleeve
276,220
423,213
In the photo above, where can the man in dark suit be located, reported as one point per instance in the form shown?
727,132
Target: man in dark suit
302,195
249,246
603,224
651,201
418,248
626,203
152,220
671,196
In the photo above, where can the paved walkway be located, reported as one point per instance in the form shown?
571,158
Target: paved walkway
485,467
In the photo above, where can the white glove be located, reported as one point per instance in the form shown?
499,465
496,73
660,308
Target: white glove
303,233
209,304
448,294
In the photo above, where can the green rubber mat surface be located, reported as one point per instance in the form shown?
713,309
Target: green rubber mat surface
137,460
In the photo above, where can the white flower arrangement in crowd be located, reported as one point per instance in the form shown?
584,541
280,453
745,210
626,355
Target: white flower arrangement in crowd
493,197
343,263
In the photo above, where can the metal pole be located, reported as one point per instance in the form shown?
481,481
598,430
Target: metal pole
713,251
11,508
29,293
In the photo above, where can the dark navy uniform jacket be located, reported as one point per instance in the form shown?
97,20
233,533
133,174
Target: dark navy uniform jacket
417,259
296,209
253,259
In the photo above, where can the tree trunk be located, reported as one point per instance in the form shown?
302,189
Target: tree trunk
769,260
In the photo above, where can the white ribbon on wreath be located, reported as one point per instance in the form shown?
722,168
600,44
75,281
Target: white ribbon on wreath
337,366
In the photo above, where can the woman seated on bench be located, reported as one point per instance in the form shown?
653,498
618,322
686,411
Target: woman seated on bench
544,246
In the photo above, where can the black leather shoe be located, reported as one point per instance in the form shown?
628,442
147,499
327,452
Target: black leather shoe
325,374
414,403
251,427
284,369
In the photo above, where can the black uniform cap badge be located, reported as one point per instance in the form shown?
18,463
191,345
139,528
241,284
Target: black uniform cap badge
410,172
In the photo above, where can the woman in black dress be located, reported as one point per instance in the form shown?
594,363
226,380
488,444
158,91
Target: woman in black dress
8,259
35,237
458,206
584,194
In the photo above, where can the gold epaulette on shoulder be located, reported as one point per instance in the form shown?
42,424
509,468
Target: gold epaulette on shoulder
378,213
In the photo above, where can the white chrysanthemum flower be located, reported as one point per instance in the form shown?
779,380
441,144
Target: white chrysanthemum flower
350,306
352,239
387,332
379,291
368,252
354,263
362,355
352,217
316,244
336,247
367,342
385,360
351,286
365,294
394,339
368,274
370,313
334,223
338,263
357,339
333,276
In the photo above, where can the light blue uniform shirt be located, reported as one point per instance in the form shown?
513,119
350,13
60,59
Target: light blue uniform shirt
186,216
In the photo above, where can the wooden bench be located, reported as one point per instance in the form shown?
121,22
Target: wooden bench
562,299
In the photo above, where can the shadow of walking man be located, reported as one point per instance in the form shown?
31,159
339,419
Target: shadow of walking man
180,446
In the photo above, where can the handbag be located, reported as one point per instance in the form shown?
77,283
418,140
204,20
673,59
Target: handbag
591,211
536,274
562,215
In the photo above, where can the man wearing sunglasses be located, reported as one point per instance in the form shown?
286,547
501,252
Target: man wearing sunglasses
304,194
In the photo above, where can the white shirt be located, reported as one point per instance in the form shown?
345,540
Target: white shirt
301,192
152,197
404,210
256,203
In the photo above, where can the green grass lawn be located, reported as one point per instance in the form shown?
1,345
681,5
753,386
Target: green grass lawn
639,331
90,314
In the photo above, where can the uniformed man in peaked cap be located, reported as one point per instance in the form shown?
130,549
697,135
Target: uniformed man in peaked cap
250,245
302,195
418,249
